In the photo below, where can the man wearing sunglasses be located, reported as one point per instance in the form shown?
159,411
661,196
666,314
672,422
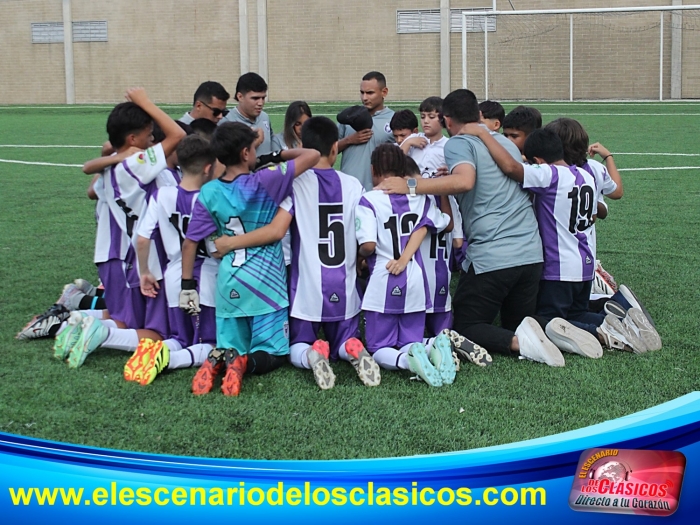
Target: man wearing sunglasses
209,103
251,92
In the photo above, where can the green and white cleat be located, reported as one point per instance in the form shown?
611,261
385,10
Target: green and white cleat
93,334
419,364
68,337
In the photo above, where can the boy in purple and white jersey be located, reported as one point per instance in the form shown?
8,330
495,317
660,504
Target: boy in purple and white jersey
390,229
168,215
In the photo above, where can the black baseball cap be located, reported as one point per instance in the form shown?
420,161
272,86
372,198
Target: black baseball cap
357,117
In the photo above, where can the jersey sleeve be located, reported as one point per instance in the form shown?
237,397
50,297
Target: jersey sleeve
343,131
459,150
288,205
538,177
365,222
149,222
146,165
201,224
277,180
433,217
605,183
457,230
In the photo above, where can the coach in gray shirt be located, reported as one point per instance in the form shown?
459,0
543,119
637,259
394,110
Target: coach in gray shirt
209,102
357,147
251,92
503,264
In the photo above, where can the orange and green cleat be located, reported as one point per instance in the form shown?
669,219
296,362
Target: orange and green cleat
141,356
203,380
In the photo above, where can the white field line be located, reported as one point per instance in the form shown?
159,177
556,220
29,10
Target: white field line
41,163
46,146
665,168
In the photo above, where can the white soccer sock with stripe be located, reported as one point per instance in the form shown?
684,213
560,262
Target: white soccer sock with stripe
122,339
391,358
93,313
299,355
188,357
428,342
109,323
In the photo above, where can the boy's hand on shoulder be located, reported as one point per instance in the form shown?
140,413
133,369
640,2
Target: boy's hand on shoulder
393,185
599,149
475,129
360,137
395,267
137,95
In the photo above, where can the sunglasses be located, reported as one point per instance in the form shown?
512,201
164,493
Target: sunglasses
216,111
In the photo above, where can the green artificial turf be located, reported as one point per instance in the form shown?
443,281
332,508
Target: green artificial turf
651,241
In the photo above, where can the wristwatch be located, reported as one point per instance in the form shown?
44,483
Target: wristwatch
411,183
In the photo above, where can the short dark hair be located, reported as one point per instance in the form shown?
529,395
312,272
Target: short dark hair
403,119
430,104
159,136
376,75
208,90
193,153
544,144
523,118
124,119
574,139
388,159
294,112
492,110
319,133
229,141
461,106
250,82
203,127
411,167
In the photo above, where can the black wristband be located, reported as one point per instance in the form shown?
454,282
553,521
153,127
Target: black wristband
606,157
269,158
188,284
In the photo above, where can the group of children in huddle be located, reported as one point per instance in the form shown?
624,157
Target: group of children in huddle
188,250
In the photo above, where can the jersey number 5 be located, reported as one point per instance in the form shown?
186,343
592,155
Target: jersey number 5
331,235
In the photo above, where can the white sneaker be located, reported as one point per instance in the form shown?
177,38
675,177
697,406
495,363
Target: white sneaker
642,326
634,301
535,346
569,338
71,296
620,336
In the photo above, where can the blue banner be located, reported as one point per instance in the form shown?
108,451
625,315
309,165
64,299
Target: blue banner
44,481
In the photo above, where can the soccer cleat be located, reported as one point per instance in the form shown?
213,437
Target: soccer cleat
85,286
366,367
42,325
643,328
616,309
568,338
420,365
203,380
236,365
631,298
141,356
618,335
158,361
441,358
93,333
535,346
603,282
68,337
318,361
71,296
468,351
457,362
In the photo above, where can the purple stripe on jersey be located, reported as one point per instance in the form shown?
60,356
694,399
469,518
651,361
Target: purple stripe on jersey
260,295
330,192
425,220
544,210
128,170
587,257
115,184
396,285
277,185
201,225
442,279
419,260
294,271
175,174
115,238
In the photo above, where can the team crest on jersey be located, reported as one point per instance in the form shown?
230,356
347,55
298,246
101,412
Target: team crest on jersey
442,291
235,294
285,329
334,298
396,292
151,156
588,260
387,128
358,224
267,125
141,158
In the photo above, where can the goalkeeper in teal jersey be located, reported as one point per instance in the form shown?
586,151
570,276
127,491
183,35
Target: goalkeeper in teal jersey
252,329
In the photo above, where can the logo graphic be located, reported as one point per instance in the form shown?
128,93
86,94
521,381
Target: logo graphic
387,128
588,260
396,292
152,156
285,329
334,298
618,481
141,159
442,291
358,224
235,294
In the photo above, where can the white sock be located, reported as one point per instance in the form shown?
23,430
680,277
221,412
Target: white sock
343,354
188,357
93,313
122,339
389,358
109,323
173,345
428,342
299,355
